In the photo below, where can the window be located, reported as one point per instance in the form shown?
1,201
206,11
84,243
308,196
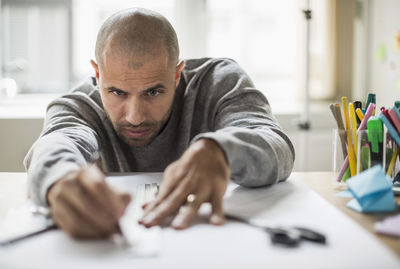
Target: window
47,44
36,44
262,37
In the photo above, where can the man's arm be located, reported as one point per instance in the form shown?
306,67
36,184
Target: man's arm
258,151
81,202
254,149
66,144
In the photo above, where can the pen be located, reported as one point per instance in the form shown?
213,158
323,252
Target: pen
28,235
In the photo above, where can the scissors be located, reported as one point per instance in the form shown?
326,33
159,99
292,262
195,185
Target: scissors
286,236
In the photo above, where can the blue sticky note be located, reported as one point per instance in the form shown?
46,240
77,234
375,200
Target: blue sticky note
372,191
345,194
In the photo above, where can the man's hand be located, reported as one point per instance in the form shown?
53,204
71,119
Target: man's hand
84,206
200,175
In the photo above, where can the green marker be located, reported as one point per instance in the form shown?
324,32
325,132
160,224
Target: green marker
365,157
375,138
397,104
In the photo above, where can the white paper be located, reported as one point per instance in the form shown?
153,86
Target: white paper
233,245
137,239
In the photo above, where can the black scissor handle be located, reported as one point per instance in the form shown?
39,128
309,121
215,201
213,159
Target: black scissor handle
311,235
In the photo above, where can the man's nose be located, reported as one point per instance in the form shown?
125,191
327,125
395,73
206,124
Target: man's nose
135,112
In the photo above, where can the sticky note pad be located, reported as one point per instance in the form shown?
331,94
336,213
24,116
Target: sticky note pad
372,191
389,226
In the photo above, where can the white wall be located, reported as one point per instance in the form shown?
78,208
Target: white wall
384,74
21,124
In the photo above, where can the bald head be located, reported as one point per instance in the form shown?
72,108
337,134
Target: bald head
139,34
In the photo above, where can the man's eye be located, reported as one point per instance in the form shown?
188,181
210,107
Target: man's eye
117,92
153,92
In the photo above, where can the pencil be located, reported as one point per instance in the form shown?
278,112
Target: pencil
350,148
346,112
353,122
392,161
352,157
336,111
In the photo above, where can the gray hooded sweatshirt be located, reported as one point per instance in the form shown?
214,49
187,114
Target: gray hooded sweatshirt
215,99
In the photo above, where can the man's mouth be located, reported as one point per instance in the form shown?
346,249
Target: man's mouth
136,133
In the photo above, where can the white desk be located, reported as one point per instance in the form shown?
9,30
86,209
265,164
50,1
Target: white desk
233,245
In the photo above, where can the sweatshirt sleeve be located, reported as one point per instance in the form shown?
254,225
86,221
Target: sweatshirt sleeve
258,151
66,143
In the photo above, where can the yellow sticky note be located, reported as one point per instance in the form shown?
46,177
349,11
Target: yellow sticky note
381,53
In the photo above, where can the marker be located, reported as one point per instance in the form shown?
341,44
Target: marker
375,138
371,98
393,133
395,118
365,157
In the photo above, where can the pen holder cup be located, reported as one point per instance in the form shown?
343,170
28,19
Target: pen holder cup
391,156
366,154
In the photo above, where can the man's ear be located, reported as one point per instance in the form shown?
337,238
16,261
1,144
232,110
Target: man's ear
96,69
178,72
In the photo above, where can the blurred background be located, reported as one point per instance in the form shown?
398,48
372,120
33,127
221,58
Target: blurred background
46,46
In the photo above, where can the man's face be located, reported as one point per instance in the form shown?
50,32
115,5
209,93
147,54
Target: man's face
138,100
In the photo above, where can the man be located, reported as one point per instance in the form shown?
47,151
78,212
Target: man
202,121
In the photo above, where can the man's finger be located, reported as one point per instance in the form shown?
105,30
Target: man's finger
173,202
125,198
183,188
187,212
92,180
71,222
168,207
171,178
88,209
217,215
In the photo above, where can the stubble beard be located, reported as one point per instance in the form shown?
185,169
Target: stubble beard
155,128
